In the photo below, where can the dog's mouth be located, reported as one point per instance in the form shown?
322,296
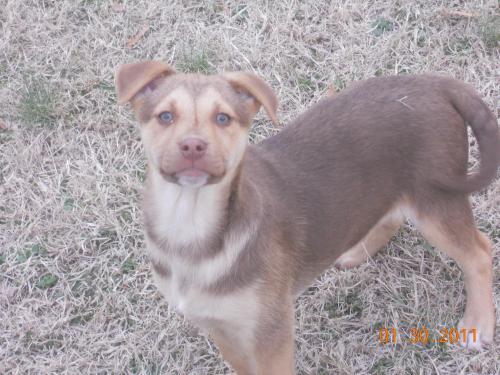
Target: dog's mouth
193,176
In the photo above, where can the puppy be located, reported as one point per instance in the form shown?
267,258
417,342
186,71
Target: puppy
235,231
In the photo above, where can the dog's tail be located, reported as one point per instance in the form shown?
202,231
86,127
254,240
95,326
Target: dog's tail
484,126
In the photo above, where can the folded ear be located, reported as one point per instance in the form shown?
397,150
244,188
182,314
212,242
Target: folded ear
254,87
130,79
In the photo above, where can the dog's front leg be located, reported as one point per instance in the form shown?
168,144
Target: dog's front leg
270,350
277,358
242,361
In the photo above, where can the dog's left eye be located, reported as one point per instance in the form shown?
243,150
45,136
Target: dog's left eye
222,119
166,117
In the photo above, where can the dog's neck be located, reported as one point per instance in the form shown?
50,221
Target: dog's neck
181,217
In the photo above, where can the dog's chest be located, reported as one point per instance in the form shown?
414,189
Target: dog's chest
182,289
179,225
185,290
188,284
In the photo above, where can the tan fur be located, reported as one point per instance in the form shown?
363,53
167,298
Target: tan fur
236,231
132,78
258,89
458,237
376,238
161,142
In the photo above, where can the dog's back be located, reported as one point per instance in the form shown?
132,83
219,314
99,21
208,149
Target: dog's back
413,115
383,143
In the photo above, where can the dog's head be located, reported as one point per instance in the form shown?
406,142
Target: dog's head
194,127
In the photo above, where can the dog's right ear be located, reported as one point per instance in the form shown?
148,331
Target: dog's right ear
131,79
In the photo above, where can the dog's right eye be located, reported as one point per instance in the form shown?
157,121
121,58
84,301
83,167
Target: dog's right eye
222,119
166,117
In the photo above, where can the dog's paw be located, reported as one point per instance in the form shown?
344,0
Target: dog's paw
349,260
477,338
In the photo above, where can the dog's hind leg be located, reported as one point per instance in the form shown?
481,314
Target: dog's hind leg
447,223
376,238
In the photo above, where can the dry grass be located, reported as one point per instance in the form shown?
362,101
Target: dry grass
75,290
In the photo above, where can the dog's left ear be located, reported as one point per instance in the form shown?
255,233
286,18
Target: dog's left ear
131,79
254,87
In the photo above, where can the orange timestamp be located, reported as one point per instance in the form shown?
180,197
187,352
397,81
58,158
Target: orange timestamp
421,335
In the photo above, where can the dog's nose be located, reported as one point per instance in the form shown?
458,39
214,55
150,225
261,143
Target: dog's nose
193,148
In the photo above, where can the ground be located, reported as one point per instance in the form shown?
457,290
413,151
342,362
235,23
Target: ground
76,294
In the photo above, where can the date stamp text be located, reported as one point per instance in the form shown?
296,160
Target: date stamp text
416,335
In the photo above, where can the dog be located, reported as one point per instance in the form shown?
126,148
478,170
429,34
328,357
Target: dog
235,232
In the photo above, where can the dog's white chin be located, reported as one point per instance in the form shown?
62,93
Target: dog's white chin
193,181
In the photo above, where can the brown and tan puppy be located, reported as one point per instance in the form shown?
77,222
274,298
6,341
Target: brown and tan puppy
235,231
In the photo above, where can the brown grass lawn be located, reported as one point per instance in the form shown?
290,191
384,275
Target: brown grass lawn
76,294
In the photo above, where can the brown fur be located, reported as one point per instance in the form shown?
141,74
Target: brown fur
332,187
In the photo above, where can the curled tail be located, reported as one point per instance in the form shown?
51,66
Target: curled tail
485,128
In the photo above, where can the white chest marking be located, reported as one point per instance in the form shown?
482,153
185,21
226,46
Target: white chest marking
186,274
184,292
184,215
